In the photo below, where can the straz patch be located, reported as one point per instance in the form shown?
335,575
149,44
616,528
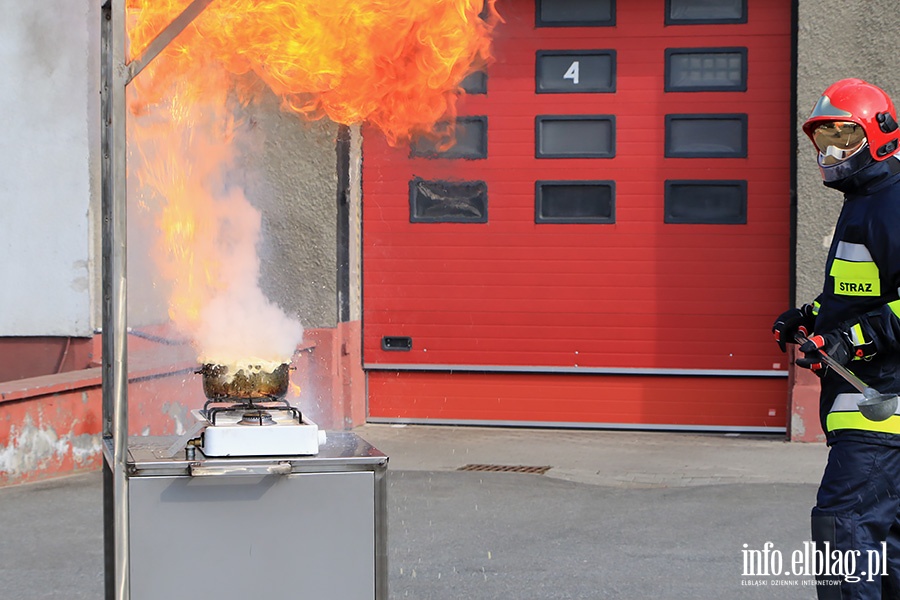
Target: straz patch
854,271
856,288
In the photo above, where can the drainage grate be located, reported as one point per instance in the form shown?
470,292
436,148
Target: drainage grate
505,469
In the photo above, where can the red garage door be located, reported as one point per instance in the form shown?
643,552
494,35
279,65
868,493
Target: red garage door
607,240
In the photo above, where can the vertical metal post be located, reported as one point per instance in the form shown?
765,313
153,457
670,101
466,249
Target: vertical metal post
114,273
116,73
343,223
381,532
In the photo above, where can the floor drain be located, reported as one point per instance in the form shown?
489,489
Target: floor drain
505,469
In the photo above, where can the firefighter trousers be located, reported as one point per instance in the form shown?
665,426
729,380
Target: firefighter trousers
856,523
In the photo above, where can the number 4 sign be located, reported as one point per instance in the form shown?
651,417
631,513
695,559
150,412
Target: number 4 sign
572,72
575,71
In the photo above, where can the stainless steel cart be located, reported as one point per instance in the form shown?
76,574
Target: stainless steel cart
272,527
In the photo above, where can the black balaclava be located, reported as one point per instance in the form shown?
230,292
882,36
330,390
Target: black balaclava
859,172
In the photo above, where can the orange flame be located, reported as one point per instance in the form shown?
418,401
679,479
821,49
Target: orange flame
395,64
294,391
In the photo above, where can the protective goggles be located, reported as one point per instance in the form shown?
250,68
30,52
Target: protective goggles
838,140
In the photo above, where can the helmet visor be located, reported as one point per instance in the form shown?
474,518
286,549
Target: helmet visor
838,140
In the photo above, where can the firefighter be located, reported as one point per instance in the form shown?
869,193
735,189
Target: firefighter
853,127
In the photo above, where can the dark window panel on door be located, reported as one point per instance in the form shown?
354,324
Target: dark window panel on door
706,202
575,202
575,13
706,136
575,71
469,141
705,12
475,83
435,201
706,70
575,136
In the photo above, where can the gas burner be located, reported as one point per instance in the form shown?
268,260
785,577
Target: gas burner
272,428
256,417
249,413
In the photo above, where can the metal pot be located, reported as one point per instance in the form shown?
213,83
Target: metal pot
219,383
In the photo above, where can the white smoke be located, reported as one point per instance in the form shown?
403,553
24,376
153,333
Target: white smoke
239,323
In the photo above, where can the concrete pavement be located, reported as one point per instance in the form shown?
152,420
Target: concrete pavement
627,515
610,458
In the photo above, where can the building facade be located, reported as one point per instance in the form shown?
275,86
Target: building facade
628,205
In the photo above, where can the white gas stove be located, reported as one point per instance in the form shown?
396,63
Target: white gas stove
257,429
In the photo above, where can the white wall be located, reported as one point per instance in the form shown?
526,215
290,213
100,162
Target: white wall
49,132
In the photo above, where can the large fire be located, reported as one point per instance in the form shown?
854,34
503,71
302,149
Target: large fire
395,64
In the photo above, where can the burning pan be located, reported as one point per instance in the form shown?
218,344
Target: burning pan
220,383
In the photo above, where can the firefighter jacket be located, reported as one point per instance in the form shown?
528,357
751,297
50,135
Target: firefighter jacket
861,297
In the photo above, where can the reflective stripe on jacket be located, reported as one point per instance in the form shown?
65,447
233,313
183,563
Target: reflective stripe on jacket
844,414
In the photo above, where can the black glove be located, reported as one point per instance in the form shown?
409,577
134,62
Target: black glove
836,344
790,322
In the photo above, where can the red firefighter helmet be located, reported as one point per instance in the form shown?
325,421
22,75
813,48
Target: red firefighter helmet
844,108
